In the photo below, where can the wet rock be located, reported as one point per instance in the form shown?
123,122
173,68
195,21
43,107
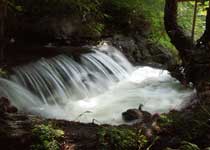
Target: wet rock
17,55
136,114
132,114
6,107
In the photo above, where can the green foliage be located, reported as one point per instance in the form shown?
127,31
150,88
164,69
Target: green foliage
154,11
55,7
121,139
89,12
47,137
188,126
144,16
14,7
124,15
188,146
3,72
165,120
127,16
185,17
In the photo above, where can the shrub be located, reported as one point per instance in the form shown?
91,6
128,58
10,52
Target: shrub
120,139
46,137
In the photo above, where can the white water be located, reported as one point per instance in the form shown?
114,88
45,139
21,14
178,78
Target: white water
101,87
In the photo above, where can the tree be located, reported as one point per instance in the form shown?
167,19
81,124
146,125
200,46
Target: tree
195,56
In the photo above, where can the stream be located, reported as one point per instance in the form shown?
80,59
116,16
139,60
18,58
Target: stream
100,86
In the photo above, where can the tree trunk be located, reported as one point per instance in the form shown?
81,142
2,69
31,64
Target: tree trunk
195,57
3,14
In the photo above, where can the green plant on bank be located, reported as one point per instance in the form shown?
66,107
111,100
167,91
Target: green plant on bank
94,29
120,139
188,146
165,120
3,73
177,121
46,137
190,126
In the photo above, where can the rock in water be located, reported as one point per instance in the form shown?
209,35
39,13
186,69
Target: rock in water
136,114
131,115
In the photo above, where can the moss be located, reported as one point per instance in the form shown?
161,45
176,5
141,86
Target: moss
120,139
46,137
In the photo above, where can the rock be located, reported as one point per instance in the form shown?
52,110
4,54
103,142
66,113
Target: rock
138,51
146,115
6,107
132,114
136,114
22,54
49,29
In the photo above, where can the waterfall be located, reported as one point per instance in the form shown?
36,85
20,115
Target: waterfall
61,79
98,85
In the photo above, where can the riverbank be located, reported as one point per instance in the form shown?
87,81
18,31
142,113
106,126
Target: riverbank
21,131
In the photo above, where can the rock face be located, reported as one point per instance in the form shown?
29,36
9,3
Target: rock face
19,55
65,26
139,51
43,30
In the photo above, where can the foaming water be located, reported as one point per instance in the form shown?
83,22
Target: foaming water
153,88
100,86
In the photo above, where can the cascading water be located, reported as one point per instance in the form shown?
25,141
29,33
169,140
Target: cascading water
100,85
